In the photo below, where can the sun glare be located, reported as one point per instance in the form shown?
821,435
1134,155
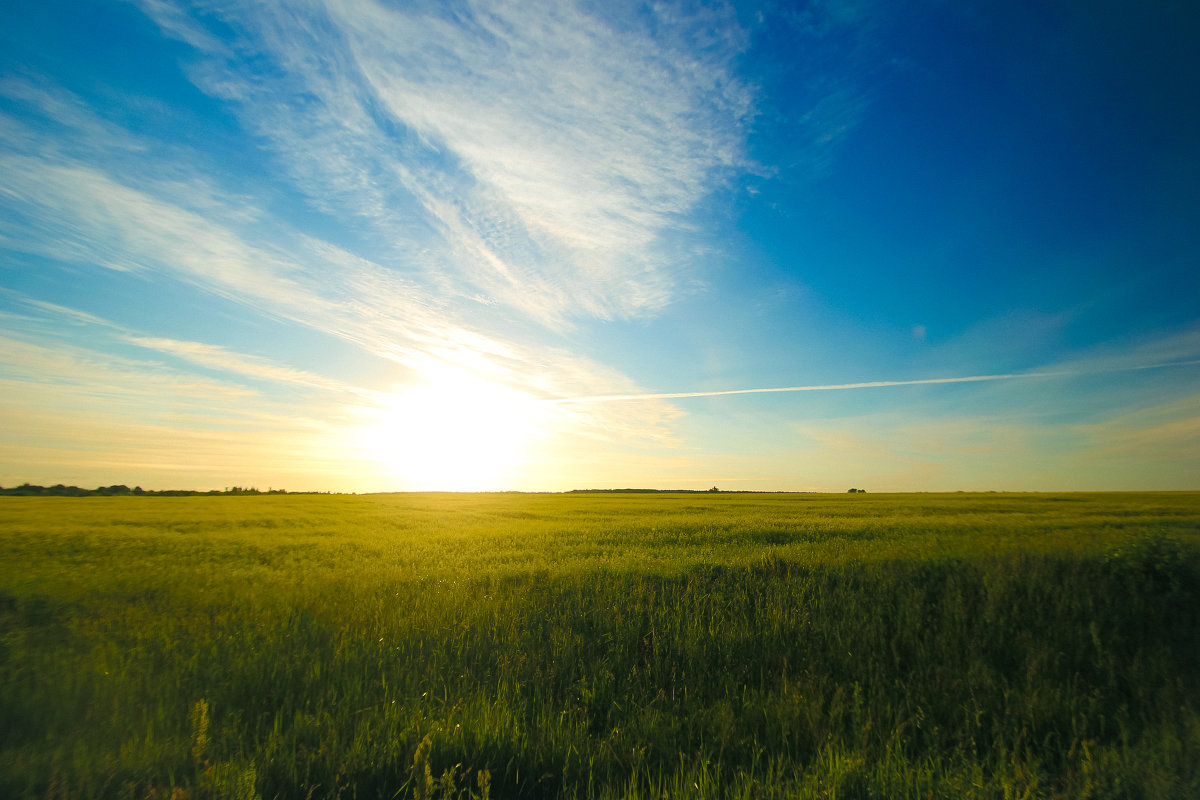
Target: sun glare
455,432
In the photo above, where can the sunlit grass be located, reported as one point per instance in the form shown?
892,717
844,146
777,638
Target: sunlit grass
601,646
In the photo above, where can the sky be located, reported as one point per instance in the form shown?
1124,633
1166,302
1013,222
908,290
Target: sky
353,245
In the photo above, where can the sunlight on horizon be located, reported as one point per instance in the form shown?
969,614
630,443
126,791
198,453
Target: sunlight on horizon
453,432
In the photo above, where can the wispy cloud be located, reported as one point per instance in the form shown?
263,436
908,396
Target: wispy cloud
75,411
56,110
47,347
549,151
1152,351
832,71
222,358
66,377
1167,434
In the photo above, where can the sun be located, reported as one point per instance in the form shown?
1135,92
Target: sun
453,432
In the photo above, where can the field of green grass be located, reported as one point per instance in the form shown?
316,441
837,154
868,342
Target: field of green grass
600,646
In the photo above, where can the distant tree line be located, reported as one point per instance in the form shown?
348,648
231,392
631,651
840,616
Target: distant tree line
59,490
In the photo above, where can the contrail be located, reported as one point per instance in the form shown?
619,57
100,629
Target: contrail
867,385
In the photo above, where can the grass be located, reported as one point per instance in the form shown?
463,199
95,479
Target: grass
601,646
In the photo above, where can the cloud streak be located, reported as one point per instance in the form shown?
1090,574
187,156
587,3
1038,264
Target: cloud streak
221,358
865,384
816,388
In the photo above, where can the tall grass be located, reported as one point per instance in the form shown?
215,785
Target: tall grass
596,646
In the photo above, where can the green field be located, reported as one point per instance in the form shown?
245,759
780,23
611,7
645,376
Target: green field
600,646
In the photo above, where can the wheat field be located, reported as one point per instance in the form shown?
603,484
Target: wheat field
601,645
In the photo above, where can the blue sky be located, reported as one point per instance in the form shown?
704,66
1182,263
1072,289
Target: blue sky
366,246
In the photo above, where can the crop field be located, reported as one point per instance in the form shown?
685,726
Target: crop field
602,645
